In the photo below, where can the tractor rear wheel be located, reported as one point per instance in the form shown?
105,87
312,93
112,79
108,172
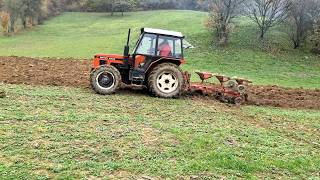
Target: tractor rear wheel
105,80
166,80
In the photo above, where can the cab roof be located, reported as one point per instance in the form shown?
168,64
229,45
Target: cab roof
162,32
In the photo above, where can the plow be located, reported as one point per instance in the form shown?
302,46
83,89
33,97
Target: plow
229,90
155,63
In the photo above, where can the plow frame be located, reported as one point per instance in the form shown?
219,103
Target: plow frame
222,92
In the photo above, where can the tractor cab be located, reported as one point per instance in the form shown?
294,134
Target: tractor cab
160,43
154,46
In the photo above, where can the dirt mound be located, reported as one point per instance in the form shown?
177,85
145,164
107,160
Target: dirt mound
72,72
284,97
44,71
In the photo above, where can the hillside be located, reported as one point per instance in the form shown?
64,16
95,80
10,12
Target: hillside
53,126
80,35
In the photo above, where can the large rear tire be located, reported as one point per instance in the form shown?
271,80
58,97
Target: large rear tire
105,80
166,80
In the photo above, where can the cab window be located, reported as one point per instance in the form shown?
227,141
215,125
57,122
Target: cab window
147,45
169,47
177,48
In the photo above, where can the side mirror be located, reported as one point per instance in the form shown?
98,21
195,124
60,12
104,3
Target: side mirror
126,51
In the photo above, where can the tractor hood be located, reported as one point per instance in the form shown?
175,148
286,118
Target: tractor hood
107,59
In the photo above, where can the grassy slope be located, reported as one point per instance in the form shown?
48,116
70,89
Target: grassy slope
68,132
59,132
83,34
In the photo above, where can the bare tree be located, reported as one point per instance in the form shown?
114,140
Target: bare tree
299,21
314,12
14,8
315,39
31,11
1,4
5,22
315,17
267,13
123,6
221,14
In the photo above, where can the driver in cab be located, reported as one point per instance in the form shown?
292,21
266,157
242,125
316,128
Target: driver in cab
165,48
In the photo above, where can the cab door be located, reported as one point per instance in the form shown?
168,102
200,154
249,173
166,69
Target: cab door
142,57
145,51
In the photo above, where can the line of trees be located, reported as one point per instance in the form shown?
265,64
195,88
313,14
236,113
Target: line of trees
110,6
28,12
169,4
122,6
300,17
32,12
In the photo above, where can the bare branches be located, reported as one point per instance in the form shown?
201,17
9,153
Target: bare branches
298,23
267,13
301,17
221,14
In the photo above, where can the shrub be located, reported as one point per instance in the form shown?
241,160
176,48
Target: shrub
5,21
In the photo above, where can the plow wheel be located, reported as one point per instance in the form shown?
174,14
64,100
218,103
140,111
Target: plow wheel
231,84
105,80
166,80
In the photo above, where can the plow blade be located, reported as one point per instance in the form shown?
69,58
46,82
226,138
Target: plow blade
229,90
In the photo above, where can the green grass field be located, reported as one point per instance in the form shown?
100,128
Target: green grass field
81,35
71,133
68,132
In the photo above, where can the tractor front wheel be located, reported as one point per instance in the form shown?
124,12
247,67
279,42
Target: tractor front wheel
105,80
166,80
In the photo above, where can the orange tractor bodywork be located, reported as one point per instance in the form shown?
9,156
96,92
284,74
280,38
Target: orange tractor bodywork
107,59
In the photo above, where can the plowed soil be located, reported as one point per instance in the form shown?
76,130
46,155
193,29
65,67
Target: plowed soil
72,72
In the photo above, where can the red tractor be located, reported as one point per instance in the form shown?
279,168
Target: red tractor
154,63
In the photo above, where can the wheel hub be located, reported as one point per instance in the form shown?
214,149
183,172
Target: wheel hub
105,80
167,82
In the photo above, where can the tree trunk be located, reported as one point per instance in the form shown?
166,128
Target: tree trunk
296,45
24,22
262,33
32,22
112,10
223,35
12,24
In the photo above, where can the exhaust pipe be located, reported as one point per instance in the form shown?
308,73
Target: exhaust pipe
127,48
